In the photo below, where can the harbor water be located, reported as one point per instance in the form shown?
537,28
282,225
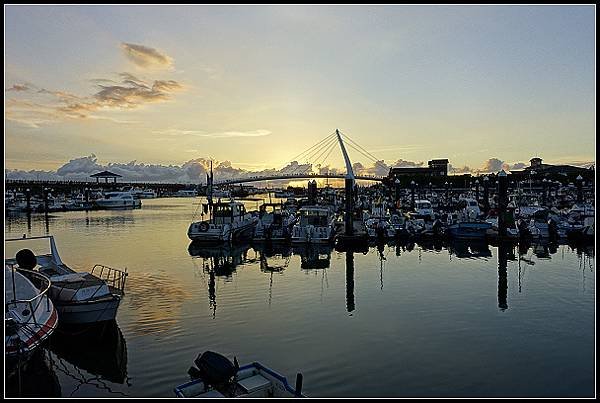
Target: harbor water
458,319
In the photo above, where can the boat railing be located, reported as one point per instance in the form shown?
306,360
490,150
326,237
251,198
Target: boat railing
113,277
43,285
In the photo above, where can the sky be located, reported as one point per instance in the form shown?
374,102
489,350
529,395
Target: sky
253,86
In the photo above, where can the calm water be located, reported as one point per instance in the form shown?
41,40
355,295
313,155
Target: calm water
413,320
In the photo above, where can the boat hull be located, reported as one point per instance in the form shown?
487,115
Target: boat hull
468,230
88,311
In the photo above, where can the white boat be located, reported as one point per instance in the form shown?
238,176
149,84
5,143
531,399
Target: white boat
118,200
79,297
316,224
221,194
186,193
229,220
215,376
377,221
422,209
274,223
29,315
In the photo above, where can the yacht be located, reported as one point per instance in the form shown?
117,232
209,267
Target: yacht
118,200
377,221
29,315
316,225
79,297
422,209
466,223
229,220
274,223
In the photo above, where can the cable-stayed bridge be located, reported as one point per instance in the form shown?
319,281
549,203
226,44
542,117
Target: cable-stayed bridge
316,155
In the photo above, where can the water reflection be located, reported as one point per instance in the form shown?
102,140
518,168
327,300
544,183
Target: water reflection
219,260
274,258
156,299
99,349
36,379
313,257
469,249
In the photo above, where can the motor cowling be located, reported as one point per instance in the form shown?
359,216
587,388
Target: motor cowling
215,369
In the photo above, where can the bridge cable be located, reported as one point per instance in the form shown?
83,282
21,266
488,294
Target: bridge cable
310,148
365,155
359,146
313,153
326,150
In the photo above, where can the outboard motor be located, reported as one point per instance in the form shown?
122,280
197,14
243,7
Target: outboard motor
26,259
523,228
552,229
437,227
214,369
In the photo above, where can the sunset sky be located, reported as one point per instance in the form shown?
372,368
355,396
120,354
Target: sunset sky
256,85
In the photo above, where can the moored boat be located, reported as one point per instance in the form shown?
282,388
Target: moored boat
229,220
118,200
79,297
29,314
316,225
216,376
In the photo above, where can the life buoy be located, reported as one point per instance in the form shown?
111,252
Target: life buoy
204,227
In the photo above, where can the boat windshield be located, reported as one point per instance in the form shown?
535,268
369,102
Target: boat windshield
317,218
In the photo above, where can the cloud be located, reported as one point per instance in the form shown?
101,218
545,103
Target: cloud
407,164
192,171
462,170
493,165
19,88
518,165
200,133
129,92
146,57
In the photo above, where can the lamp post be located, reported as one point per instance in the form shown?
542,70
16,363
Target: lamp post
412,194
579,189
397,189
446,186
477,190
502,202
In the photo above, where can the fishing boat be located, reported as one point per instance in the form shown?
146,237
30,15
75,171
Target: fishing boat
215,376
79,297
377,221
29,315
118,200
274,223
423,210
316,225
469,229
186,193
228,221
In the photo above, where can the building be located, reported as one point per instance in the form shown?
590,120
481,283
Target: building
540,170
106,175
435,171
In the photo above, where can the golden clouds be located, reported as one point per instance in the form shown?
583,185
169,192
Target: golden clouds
146,57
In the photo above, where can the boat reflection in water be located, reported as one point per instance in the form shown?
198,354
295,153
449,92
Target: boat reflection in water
36,379
273,258
98,349
313,256
219,260
469,248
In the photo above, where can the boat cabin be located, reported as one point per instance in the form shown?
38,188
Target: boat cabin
315,216
227,212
